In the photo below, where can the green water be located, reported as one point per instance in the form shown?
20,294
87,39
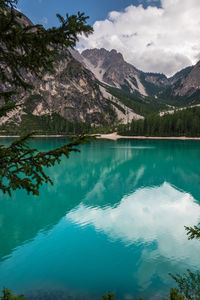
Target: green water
113,221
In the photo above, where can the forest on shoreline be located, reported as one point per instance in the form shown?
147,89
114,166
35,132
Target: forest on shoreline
181,123
184,122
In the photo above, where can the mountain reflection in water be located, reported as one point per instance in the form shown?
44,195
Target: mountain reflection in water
114,220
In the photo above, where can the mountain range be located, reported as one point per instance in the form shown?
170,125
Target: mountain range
111,68
98,88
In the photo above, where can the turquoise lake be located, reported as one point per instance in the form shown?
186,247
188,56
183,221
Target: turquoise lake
113,221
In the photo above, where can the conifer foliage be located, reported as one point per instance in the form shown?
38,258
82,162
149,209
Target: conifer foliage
30,49
8,295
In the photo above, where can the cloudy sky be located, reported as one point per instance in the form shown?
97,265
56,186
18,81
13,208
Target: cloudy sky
154,35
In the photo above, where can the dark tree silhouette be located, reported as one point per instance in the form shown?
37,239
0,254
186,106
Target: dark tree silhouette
24,48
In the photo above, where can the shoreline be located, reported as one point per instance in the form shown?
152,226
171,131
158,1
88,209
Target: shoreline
114,136
42,135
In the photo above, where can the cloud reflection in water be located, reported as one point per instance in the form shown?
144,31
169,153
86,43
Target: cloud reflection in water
149,215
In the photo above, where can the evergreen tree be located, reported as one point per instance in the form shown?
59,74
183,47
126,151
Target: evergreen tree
7,295
28,48
181,123
188,283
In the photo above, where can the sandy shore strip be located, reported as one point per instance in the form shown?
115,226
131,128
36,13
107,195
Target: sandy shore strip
114,136
43,135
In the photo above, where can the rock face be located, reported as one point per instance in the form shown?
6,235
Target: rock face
188,83
70,92
180,75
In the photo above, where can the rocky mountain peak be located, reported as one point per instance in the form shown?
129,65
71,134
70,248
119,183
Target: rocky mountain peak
106,57
111,68
112,58
113,54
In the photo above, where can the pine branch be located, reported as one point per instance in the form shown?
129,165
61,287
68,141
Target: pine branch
30,49
193,232
23,167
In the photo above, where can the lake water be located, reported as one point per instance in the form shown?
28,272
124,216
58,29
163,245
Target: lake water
113,221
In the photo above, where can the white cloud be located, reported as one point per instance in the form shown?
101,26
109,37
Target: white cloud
153,39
